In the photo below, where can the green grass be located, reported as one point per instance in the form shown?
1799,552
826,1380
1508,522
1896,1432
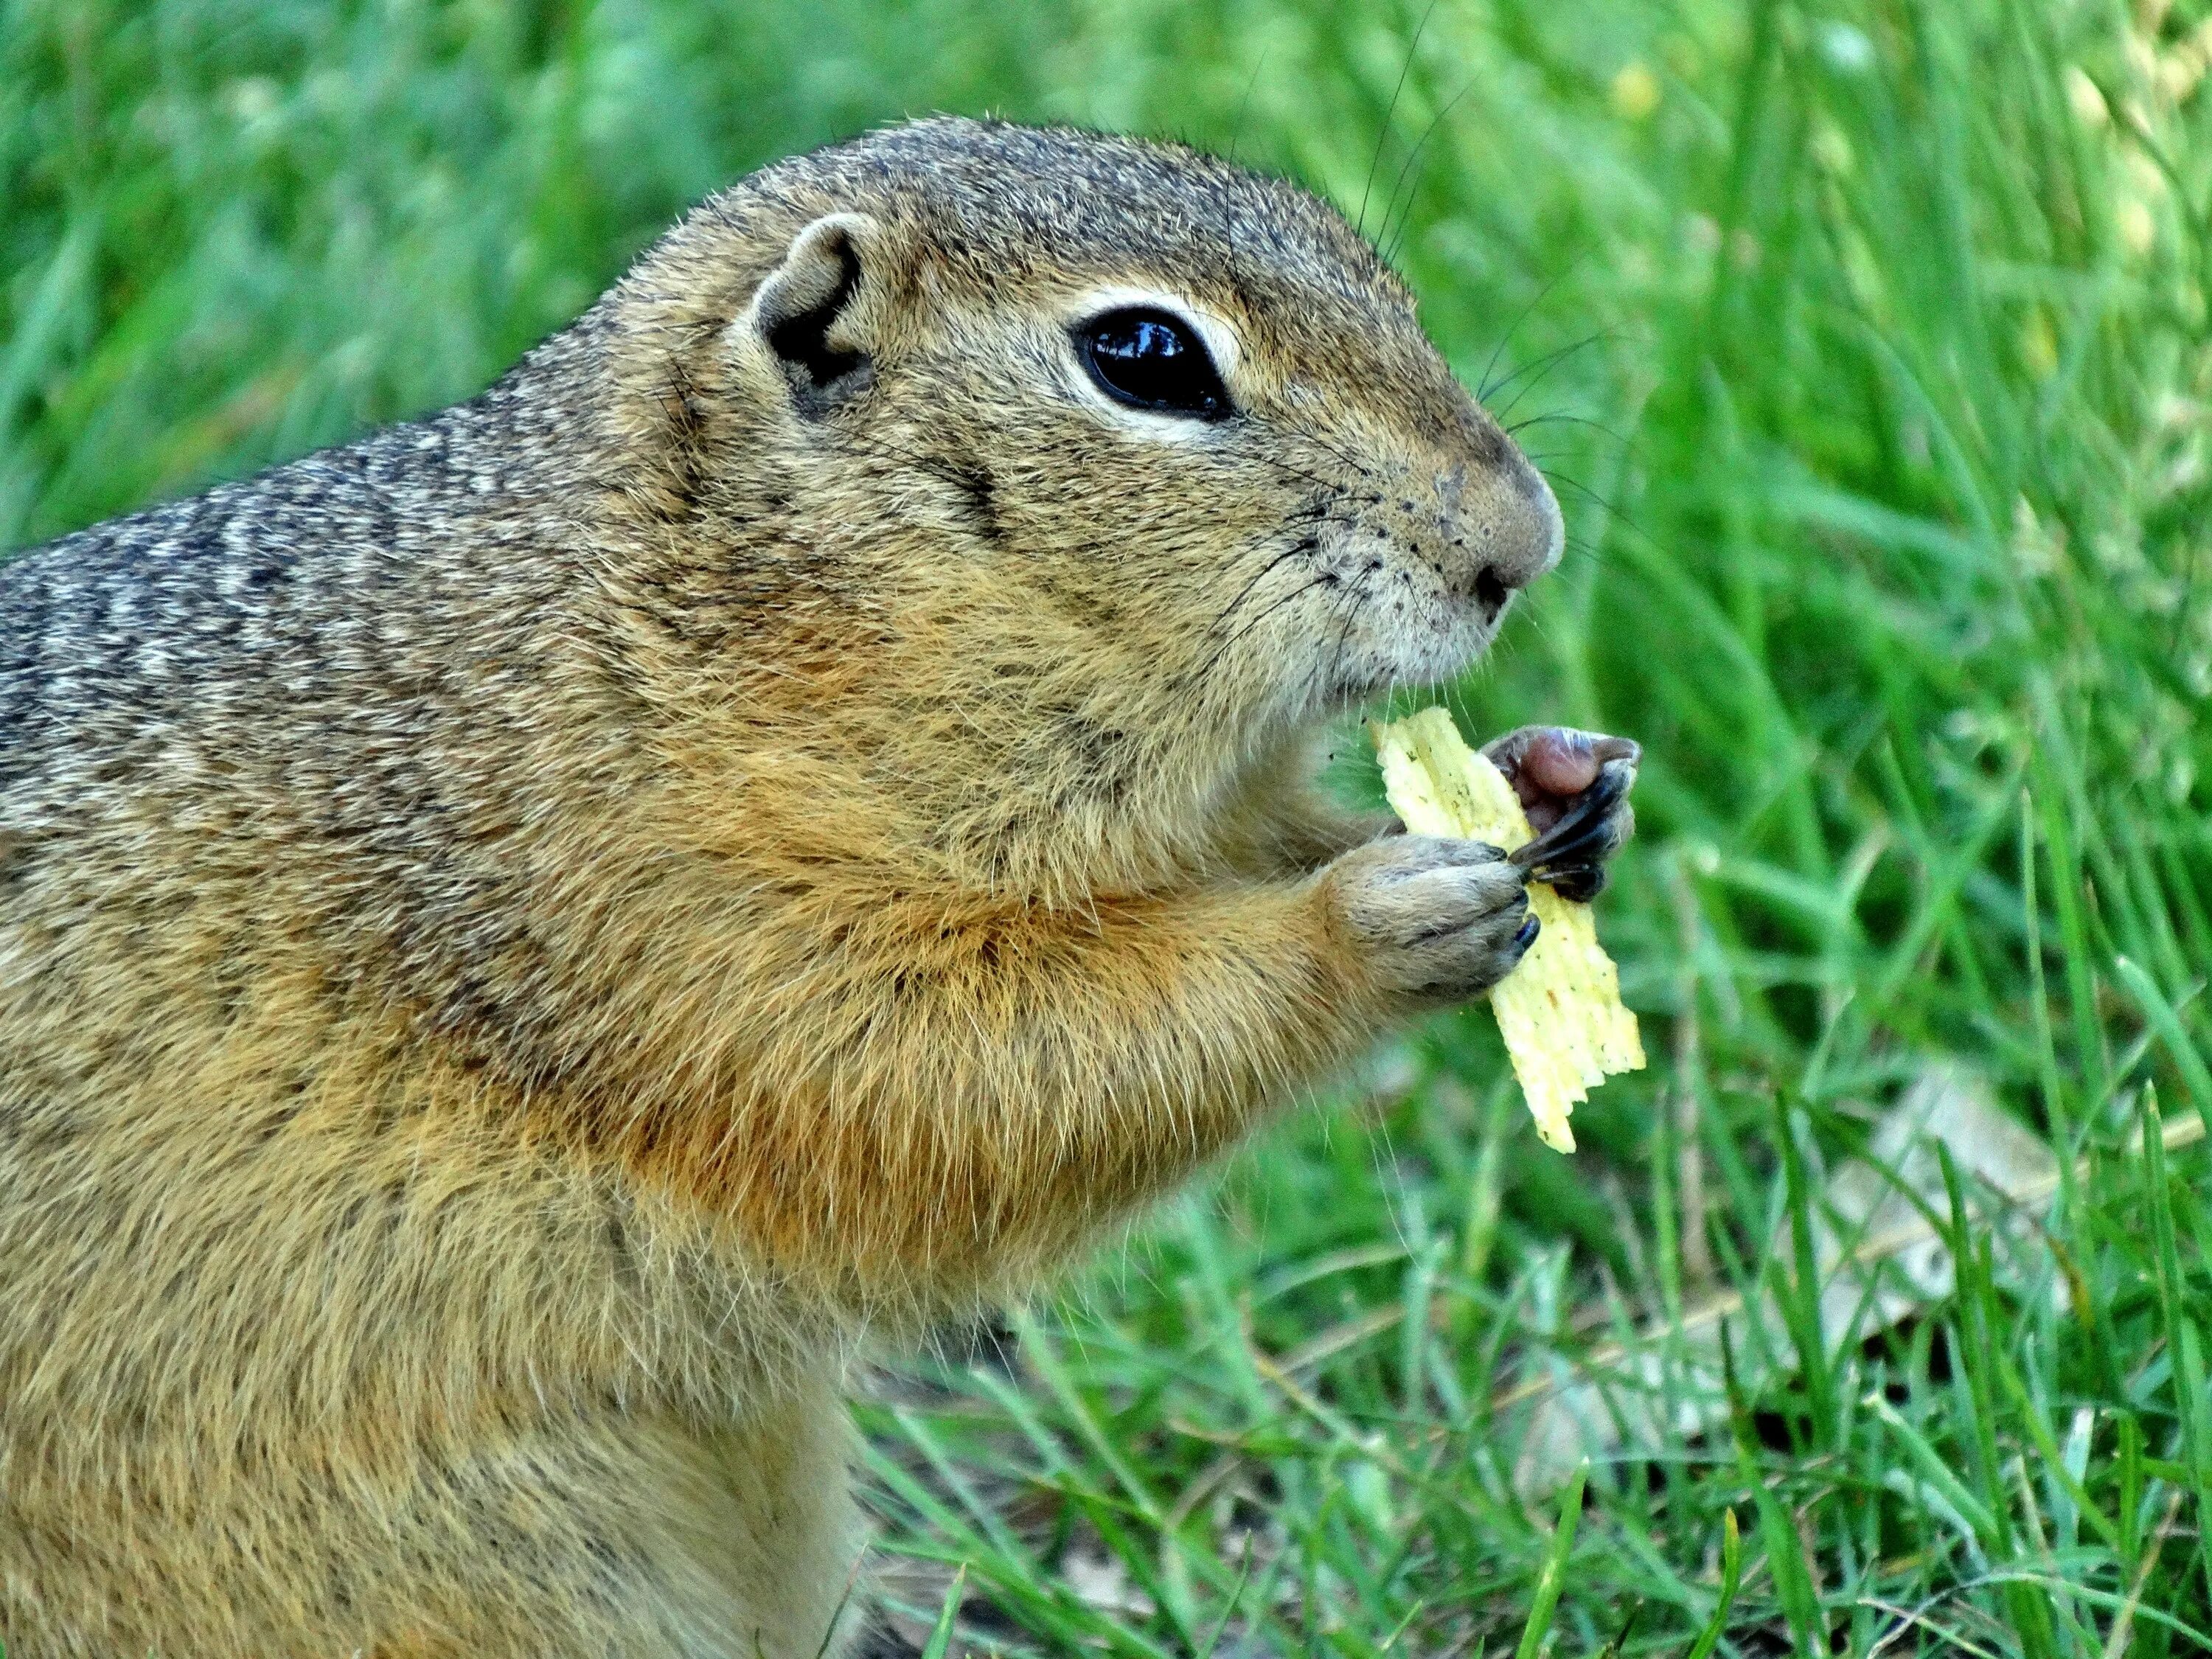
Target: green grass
1869,347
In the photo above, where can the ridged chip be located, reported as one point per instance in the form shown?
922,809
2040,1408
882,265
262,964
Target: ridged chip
1560,1011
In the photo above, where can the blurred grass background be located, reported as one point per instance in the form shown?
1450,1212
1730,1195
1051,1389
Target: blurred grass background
1867,345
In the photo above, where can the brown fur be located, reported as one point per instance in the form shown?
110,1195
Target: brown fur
521,939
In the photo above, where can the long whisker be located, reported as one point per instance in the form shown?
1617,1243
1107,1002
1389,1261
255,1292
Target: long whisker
1522,424
1545,364
1383,134
1334,485
1323,509
1308,543
1298,549
1244,106
1324,578
1316,439
1483,386
1348,603
1619,515
1580,489
1392,239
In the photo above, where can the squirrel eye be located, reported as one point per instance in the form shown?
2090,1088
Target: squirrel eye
1153,359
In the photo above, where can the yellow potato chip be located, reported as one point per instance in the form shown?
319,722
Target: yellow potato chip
1560,1011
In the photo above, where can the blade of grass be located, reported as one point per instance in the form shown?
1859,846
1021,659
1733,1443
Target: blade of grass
2159,1013
1544,1601
1731,1576
2183,1343
940,1636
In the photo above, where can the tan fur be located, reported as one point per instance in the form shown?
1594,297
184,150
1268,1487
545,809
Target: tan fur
524,939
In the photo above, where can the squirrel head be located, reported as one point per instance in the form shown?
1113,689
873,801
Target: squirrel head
1006,492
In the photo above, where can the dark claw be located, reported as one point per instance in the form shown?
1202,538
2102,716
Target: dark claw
1585,829
1578,884
1527,936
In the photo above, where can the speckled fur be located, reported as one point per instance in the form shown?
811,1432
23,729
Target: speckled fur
524,937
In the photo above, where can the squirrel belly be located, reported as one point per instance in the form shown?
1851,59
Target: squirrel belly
527,937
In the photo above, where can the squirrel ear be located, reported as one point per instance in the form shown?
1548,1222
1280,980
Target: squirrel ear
804,310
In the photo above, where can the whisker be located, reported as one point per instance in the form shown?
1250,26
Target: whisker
1580,489
1316,439
1455,700
1349,605
1323,580
1618,515
1483,386
1382,134
1334,486
1577,420
1391,239
1244,106
1310,542
1304,544
1547,363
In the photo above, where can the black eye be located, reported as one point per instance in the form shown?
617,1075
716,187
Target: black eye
1152,360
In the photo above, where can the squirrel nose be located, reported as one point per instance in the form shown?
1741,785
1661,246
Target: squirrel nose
1528,533
1517,532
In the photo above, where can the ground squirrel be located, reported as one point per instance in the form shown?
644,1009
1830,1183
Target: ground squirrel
524,937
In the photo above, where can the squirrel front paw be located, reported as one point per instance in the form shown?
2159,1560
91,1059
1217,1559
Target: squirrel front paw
1574,787
1432,919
